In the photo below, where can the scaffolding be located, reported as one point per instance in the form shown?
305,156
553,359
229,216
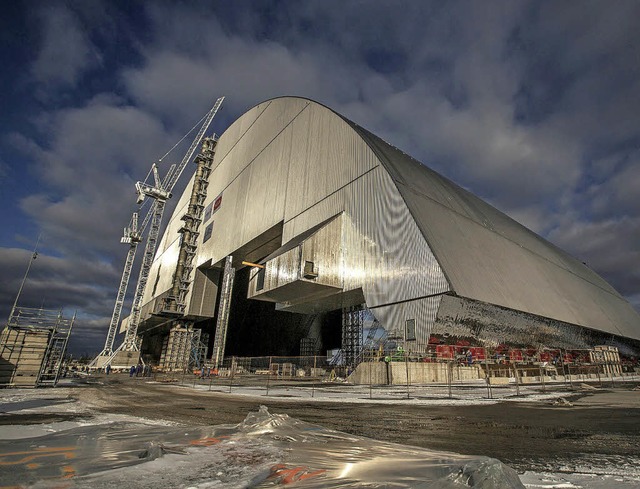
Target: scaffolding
198,349
352,331
310,345
176,301
220,339
33,346
176,349
184,348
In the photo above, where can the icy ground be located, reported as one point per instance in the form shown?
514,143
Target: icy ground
462,394
96,450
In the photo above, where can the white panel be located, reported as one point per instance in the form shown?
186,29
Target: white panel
162,271
517,278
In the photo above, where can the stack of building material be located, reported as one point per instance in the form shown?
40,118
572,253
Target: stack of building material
22,352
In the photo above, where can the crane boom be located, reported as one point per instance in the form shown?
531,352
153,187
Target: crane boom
130,339
174,172
175,175
161,192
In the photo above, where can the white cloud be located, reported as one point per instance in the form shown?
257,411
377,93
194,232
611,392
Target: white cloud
493,97
95,155
65,50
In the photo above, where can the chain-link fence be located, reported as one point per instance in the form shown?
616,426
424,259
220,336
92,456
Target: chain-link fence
442,371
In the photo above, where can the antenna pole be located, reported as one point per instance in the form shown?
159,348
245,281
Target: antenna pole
24,279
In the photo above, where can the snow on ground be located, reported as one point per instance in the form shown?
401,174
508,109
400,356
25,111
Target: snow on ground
432,395
245,463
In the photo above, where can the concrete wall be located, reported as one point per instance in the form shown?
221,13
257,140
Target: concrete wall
395,373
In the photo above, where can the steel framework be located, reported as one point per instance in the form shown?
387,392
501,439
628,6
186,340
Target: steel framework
34,343
220,338
176,301
352,330
160,192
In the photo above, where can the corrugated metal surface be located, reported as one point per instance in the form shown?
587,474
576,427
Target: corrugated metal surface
489,257
383,249
162,269
393,318
492,325
322,248
293,162
204,292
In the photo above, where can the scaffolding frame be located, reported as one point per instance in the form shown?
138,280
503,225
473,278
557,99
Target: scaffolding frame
222,323
184,347
48,356
352,331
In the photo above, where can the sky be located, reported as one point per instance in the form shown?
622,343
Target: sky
533,106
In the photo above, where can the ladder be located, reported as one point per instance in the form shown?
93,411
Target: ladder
176,301
56,350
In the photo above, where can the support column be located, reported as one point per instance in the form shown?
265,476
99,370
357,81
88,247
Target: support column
222,323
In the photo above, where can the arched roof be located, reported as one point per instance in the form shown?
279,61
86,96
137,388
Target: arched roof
490,257
484,254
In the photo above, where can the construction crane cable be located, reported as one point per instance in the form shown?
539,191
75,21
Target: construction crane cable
184,137
154,218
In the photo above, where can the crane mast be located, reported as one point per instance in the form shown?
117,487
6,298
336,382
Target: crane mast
131,236
160,192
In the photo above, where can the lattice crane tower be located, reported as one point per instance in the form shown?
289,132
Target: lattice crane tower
160,191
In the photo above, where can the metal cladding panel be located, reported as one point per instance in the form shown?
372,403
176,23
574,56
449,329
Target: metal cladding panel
383,251
253,183
204,293
162,271
483,265
488,256
424,181
283,270
264,131
237,130
394,318
324,251
327,154
399,263
322,248
492,325
174,223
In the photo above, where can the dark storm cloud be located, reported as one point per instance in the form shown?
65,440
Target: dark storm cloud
71,284
531,105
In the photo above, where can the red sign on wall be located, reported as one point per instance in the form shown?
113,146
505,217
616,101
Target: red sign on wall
217,203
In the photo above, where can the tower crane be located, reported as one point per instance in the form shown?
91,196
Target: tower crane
160,192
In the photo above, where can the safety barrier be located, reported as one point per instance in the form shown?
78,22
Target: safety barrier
443,371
